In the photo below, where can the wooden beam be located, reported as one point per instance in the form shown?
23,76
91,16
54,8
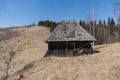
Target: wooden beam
74,45
66,48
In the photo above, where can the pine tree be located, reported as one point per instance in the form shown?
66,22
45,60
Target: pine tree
108,29
81,23
104,22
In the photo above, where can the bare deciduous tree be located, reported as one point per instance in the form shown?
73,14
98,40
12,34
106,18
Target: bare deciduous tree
90,19
116,10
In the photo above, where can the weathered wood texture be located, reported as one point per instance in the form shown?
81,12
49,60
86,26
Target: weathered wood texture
69,48
69,31
69,39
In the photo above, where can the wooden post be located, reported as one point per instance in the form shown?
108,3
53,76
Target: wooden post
74,45
57,49
74,49
66,48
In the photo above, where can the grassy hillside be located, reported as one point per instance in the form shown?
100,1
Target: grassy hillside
28,47
28,62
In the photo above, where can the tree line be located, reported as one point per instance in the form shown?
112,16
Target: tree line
48,23
105,32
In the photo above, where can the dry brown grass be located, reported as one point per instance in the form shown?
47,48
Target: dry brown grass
29,46
30,49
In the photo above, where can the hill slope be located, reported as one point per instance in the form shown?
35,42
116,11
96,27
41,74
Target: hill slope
28,47
29,63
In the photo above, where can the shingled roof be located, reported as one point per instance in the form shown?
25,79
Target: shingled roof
69,31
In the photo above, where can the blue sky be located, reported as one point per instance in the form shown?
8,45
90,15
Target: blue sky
23,12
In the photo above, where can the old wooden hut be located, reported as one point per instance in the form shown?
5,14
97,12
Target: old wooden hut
69,39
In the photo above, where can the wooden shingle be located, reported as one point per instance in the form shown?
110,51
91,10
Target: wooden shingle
69,31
